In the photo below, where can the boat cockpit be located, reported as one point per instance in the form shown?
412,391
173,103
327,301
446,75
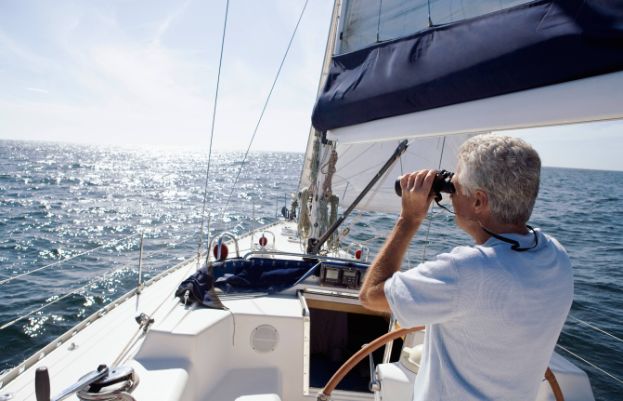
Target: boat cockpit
269,326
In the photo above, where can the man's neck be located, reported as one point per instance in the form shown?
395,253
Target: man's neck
499,228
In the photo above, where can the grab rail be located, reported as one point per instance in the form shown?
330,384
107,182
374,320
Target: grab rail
219,241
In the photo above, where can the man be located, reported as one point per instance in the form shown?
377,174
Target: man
493,311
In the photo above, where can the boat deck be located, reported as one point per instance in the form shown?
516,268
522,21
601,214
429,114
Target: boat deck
280,346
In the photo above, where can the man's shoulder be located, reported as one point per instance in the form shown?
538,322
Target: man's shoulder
466,253
458,259
551,241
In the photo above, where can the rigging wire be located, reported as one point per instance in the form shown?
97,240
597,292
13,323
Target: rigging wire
7,280
595,328
378,22
263,109
60,298
205,189
91,281
430,221
87,252
430,20
590,364
142,330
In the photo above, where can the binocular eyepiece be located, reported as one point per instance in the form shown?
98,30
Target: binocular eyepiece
442,183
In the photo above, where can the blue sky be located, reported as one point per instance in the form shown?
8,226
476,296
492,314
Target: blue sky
137,72
144,72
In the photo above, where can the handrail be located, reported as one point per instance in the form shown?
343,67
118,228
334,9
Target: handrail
262,247
300,255
219,241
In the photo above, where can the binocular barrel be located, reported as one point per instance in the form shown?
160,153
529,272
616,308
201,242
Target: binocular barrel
442,183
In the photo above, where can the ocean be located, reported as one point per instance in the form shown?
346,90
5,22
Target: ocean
61,201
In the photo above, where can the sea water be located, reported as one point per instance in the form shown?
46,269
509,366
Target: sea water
61,206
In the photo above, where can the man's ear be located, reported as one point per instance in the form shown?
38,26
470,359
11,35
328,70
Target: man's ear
481,201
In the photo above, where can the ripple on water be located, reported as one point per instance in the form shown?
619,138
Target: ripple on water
59,200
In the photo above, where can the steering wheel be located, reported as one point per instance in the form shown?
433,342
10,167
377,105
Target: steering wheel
325,394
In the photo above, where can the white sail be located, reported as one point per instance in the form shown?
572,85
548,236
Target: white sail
585,100
358,163
438,72
372,21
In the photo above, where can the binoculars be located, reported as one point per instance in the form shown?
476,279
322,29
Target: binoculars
442,183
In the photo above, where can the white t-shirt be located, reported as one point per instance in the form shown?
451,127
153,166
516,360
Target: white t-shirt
492,316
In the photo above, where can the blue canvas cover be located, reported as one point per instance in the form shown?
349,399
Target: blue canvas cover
239,275
528,46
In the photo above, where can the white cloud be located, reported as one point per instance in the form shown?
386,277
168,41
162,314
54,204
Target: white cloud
110,86
38,90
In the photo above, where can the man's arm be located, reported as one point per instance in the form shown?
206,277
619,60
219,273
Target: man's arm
416,200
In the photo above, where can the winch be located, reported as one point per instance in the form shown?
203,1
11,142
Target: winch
102,384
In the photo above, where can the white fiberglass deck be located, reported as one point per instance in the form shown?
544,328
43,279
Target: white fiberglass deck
257,349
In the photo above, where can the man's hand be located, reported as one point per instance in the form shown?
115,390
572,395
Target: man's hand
416,199
416,195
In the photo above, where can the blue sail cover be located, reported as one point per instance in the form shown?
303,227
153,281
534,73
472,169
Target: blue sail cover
528,46
236,276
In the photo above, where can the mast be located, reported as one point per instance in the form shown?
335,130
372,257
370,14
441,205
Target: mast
313,221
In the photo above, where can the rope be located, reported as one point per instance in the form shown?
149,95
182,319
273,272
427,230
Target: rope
330,165
205,189
143,328
315,162
66,260
334,240
323,216
304,221
264,108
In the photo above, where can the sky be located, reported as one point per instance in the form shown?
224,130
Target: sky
138,72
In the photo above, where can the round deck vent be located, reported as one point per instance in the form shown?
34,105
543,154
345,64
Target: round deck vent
264,338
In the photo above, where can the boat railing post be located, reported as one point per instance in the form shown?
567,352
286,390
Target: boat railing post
139,282
252,225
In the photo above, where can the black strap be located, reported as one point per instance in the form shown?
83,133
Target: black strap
515,246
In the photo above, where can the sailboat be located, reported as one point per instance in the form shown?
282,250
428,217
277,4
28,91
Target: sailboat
403,85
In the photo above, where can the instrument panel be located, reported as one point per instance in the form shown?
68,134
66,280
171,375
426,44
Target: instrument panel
341,276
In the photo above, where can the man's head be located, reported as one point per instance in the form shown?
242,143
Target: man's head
506,169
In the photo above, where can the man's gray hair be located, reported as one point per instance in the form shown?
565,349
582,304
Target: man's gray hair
507,169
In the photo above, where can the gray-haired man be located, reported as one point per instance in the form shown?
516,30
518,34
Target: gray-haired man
493,311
